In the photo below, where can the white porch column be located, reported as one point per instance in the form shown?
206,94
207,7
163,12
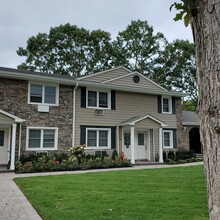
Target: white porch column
160,145
132,145
148,145
12,166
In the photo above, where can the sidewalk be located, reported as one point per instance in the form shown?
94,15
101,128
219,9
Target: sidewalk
15,206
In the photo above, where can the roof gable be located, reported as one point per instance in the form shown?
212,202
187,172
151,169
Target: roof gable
16,119
106,75
137,119
124,78
129,80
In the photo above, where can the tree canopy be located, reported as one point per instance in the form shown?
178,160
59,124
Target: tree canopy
70,50
175,68
67,50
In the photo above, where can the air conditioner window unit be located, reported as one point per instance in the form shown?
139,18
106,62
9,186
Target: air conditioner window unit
42,153
98,112
98,153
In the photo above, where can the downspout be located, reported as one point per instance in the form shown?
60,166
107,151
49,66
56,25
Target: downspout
19,144
74,114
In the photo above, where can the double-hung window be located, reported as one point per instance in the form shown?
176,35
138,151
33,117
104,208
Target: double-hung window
42,138
166,105
98,138
96,99
43,94
168,139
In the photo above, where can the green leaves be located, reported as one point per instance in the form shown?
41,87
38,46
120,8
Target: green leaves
138,46
70,50
176,69
67,50
184,9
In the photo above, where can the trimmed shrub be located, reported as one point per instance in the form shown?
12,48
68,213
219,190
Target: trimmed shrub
171,155
182,154
114,154
165,156
104,154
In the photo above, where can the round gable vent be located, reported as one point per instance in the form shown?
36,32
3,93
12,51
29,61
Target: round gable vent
136,79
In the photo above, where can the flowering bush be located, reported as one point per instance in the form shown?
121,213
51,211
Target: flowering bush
26,168
78,152
76,160
52,164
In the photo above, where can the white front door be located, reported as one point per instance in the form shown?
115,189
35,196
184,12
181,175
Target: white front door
141,144
3,146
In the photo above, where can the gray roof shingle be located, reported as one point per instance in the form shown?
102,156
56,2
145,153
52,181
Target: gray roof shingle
190,118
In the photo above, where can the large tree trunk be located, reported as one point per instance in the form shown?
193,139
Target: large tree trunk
205,21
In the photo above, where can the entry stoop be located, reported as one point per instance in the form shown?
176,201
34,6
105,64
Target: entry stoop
4,169
146,162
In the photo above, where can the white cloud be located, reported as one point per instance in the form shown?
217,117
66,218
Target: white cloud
22,19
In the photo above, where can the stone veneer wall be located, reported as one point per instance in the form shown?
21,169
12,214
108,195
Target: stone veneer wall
14,99
182,138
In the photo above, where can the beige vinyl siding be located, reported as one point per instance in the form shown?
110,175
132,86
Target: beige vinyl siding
147,123
128,105
106,75
5,119
92,152
144,83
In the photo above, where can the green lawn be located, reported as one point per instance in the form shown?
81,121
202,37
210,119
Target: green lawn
160,194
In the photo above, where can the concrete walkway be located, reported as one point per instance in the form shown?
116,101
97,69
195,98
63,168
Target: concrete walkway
15,206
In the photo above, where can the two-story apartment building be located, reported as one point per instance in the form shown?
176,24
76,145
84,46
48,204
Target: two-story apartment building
114,109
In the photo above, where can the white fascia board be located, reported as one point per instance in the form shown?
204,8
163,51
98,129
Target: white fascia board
191,123
17,119
150,81
119,77
69,81
152,118
37,77
105,71
142,118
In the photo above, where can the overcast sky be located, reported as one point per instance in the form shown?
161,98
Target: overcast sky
21,19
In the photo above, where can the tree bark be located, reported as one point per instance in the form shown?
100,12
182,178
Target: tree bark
205,22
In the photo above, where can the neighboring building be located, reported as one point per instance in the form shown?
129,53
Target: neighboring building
190,134
114,109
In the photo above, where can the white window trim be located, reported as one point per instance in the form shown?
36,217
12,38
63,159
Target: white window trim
43,92
169,102
41,147
171,139
97,138
97,101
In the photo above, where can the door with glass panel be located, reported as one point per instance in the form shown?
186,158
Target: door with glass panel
3,146
141,145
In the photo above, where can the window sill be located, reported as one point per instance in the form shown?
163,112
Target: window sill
167,113
89,107
40,149
44,104
167,147
97,148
